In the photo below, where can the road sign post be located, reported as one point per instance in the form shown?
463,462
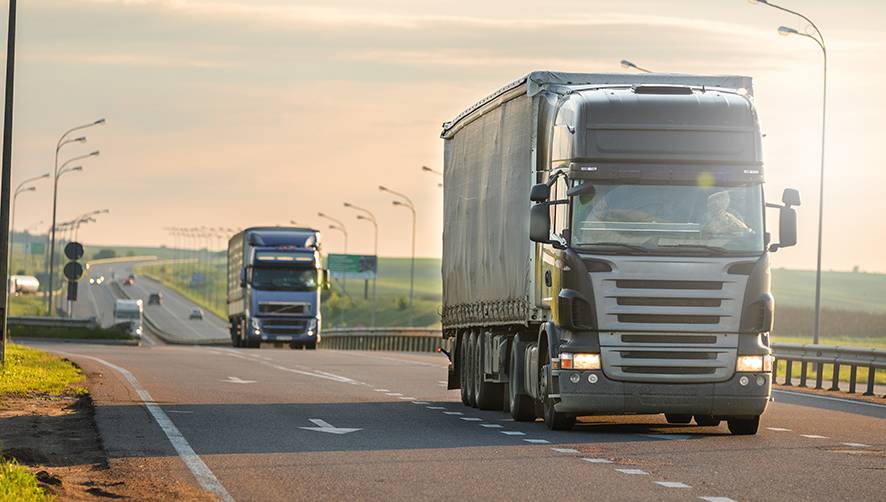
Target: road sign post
73,272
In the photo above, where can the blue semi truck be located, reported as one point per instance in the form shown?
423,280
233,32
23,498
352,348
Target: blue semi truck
275,277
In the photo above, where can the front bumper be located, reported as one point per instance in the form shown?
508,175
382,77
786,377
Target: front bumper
273,330
611,397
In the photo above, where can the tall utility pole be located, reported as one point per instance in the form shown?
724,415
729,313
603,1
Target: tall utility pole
370,217
6,177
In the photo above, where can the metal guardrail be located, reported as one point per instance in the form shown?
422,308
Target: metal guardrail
394,339
820,356
52,322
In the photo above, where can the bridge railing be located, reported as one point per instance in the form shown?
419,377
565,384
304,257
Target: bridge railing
393,339
819,357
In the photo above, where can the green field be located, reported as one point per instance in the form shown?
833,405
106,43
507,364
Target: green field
856,291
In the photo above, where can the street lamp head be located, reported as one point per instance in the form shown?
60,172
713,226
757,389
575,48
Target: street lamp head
75,168
383,188
757,1
361,217
397,203
785,31
627,64
81,139
43,176
322,215
99,122
426,169
95,153
29,189
347,204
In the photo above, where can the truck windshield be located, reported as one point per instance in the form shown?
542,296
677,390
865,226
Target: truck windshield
128,314
284,279
669,219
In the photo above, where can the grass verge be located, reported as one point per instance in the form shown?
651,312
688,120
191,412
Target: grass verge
30,372
19,484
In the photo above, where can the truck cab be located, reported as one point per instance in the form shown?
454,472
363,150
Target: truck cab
129,314
275,279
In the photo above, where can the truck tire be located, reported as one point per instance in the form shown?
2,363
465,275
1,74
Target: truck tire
744,426
555,420
487,395
462,368
469,369
707,421
678,419
521,406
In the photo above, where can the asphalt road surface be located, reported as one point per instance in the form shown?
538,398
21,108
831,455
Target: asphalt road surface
255,420
330,425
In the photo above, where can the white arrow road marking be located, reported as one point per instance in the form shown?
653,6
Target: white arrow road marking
324,426
237,380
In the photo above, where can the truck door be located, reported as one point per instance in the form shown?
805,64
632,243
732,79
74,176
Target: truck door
550,278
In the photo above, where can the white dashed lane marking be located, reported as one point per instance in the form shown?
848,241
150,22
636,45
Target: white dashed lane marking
491,426
404,398
419,402
668,437
565,450
537,441
382,390
717,499
453,413
633,472
672,484
598,460
393,394
472,419
436,407
778,429
857,445
813,436
513,433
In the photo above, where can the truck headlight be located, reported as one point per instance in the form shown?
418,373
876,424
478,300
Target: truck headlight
579,361
312,324
753,364
256,326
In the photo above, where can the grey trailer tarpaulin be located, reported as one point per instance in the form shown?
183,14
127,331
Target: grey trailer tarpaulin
487,175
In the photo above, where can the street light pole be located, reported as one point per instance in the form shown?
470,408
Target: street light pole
341,226
407,203
818,38
368,216
59,171
433,171
6,176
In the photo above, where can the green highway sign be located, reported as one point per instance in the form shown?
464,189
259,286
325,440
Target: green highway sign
352,266
36,248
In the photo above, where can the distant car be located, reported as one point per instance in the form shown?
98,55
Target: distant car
100,279
196,314
155,299
91,280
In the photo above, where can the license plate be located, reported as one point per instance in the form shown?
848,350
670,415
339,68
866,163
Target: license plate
283,339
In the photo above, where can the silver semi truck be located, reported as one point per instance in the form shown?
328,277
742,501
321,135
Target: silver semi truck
605,249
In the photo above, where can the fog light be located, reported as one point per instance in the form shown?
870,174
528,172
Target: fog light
743,381
575,378
592,378
761,380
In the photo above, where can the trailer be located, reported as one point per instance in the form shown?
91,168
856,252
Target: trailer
605,249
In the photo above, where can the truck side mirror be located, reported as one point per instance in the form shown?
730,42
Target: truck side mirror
326,282
540,192
791,197
787,227
540,223
243,277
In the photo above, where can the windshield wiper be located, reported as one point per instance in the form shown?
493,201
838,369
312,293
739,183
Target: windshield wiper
632,247
700,247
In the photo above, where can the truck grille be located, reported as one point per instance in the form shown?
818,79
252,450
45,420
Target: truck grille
283,326
280,308
676,365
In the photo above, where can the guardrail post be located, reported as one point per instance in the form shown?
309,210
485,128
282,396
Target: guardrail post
819,373
853,371
803,371
787,372
871,374
835,379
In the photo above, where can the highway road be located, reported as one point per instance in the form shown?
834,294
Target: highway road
310,425
254,419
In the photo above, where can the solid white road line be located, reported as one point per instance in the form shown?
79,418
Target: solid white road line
829,398
193,461
633,472
672,484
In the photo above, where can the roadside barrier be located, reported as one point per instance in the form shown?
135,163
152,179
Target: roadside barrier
393,339
820,356
52,322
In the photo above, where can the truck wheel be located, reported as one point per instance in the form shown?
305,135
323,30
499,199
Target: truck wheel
744,426
707,421
488,395
521,406
462,368
678,419
553,419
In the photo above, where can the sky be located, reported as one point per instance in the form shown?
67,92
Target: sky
235,113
